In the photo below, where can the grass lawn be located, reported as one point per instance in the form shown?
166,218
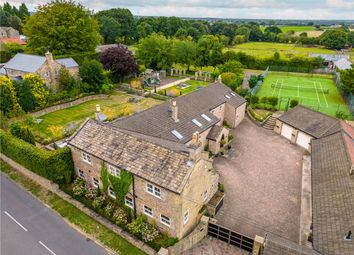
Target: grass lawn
267,49
73,214
116,105
193,86
307,89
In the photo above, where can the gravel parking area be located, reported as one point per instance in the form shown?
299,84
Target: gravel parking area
262,178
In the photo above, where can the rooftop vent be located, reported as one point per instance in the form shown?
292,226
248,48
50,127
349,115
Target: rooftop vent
206,117
177,134
196,122
233,94
227,96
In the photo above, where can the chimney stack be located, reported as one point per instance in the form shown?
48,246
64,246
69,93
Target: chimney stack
98,110
174,111
195,138
219,79
49,57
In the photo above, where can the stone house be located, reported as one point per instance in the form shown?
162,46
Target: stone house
8,32
164,149
46,67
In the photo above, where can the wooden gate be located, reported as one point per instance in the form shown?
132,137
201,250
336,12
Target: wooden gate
230,237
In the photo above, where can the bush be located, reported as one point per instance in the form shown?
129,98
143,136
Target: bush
341,115
91,192
79,187
254,99
265,106
120,216
98,202
22,132
293,103
149,232
56,166
272,101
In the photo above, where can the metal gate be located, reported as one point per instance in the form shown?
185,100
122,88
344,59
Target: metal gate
231,237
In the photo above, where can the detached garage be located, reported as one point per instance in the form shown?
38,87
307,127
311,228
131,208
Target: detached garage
300,125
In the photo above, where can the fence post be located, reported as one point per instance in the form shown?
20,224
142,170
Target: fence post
258,245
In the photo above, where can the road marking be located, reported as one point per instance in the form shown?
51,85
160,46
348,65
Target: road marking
323,93
18,223
40,242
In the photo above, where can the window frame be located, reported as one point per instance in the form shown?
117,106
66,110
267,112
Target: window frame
86,158
130,200
94,184
205,195
151,213
185,220
112,169
153,190
169,220
81,173
110,189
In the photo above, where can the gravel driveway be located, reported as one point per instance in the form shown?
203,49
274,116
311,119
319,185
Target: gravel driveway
262,178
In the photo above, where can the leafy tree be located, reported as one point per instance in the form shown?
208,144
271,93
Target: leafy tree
23,12
4,17
8,8
181,33
239,39
216,54
110,29
63,26
256,33
243,31
232,67
91,72
8,104
335,39
276,56
15,22
209,51
22,132
347,79
38,88
120,61
272,29
155,51
228,78
144,30
124,18
185,52
25,96
66,80
351,39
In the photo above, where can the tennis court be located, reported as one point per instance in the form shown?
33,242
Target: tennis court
318,92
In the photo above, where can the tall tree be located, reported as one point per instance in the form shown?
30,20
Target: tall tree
185,52
120,61
23,12
91,72
110,29
9,103
63,26
25,96
333,38
347,79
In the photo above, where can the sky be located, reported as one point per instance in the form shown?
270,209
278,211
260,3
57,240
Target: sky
252,9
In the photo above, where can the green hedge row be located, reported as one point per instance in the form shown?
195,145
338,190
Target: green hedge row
56,166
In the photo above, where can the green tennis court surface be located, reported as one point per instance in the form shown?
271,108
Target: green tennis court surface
318,92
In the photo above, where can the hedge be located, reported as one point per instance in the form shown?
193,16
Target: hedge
56,166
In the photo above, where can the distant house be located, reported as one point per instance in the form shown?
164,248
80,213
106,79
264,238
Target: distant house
10,35
46,67
333,61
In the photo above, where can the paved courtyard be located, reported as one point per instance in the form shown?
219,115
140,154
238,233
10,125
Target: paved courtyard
262,178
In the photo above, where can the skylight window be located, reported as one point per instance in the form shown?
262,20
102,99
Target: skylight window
227,96
206,117
232,93
177,134
197,123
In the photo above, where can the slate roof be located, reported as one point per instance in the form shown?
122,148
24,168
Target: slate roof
31,63
214,132
343,64
67,62
275,245
157,122
309,121
158,164
333,193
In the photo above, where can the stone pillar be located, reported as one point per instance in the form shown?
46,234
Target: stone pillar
294,135
258,245
171,71
196,75
278,126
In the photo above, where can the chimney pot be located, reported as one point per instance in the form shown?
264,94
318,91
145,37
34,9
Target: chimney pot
174,110
49,57
98,110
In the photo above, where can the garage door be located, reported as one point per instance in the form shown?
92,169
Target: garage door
286,131
303,140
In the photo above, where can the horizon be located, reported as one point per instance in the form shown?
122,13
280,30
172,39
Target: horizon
337,10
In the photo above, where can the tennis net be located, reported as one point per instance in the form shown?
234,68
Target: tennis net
300,88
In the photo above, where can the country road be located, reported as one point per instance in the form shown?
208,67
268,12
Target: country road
29,227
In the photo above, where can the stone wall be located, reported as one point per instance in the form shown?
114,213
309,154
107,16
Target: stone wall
170,84
68,104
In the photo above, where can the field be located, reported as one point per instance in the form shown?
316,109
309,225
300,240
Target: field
267,49
116,105
193,86
318,92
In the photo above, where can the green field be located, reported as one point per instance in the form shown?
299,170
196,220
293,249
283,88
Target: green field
117,105
267,49
193,86
309,90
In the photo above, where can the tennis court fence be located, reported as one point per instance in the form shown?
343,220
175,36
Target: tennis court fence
259,83
348,97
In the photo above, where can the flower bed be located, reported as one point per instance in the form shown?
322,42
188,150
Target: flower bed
120,215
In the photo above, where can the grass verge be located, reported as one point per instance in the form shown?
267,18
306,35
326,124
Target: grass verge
87,224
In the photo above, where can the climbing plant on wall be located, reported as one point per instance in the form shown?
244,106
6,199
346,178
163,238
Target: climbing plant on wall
120,185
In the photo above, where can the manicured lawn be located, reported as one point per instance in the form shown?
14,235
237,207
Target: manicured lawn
73,214
194,85
286,29
117,105
267,49
308,90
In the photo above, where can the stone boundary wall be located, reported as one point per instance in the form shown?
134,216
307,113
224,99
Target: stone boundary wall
68,104
190,240
171,84
53,187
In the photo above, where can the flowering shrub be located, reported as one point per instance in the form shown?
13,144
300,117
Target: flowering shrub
91,192
148,232
98,202
79,187
120,216
109,209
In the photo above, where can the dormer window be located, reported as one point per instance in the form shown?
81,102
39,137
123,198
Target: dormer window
196,122
177,134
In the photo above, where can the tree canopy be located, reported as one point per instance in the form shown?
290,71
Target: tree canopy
63,26
334,38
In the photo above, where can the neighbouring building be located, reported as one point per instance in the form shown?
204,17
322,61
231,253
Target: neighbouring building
333,61
46,67
163,149
10,35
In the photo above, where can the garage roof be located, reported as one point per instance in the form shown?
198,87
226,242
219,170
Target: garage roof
314,123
